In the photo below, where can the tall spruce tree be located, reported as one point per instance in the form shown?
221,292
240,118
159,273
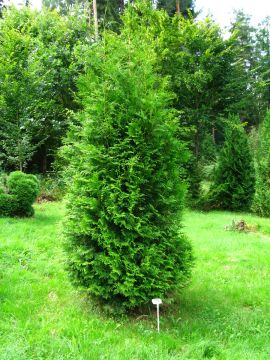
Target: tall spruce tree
234,181
125,199
261,204
246,84
263,59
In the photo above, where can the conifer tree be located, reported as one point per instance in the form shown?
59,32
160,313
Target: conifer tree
124,204
233,186
261,204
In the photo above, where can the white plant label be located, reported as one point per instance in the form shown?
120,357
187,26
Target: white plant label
157,302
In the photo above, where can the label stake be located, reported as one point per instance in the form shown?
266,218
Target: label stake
157,302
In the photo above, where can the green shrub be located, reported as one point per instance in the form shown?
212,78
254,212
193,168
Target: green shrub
21,192
125,197
8,204
261,204
234,179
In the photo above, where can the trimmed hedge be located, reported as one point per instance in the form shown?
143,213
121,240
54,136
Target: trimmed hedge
21,193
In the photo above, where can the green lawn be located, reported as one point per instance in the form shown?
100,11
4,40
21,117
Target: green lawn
223,314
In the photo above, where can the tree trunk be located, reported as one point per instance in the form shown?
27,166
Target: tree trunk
197,146
121,5
268,61
44,163
89,13
95,19
178,9
214,134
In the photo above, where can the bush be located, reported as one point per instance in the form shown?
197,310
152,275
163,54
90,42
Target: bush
261,204
234,180
8,204
20,193
125,198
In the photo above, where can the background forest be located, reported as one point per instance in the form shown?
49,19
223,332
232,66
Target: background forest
44,53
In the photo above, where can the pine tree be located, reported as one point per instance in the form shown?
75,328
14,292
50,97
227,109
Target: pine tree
261,204
124,204
233,186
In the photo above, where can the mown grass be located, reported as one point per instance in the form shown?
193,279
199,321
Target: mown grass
223,314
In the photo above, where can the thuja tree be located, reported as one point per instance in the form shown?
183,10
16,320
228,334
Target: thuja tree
122,229
233,186
261,203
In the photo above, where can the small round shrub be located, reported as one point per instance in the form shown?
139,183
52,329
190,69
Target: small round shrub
17,200
8,204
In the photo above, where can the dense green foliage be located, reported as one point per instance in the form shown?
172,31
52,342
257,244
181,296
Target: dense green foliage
37,84
19,93
210,76
201,67
263,55
199,77
124,203
247,82
261,204
233,186
252,57
17,194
